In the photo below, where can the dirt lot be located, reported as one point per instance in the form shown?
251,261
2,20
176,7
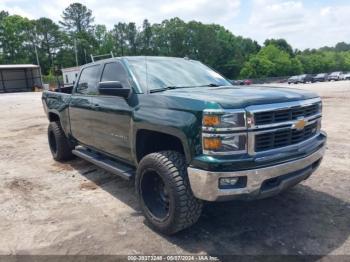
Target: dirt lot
76,208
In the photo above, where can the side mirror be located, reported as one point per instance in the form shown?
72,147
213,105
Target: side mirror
82,86
113,88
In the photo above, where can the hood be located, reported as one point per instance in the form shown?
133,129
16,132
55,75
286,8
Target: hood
241,97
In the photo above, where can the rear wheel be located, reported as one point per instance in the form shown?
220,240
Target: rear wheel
164,192
59,145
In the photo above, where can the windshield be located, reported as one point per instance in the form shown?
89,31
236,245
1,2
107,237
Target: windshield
159,73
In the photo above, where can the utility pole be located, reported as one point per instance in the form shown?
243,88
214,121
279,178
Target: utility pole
35,50
85,56
76,52
37,57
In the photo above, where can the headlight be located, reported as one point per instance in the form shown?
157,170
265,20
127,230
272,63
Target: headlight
217,121
220,120
224,144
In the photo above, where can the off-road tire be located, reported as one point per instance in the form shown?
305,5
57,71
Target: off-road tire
184,208
59,145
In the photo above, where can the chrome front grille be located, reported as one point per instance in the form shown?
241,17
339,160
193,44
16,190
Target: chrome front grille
278,116
273,126
283,137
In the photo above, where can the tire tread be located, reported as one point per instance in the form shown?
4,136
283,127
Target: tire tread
64,149
188,208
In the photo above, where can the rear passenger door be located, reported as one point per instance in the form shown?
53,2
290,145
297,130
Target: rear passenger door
112,115
81,104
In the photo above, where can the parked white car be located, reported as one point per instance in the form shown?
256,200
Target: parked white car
346,76
335,76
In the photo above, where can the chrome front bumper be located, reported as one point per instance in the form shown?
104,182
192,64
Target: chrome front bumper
205,184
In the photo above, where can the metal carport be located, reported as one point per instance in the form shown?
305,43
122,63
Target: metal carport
19,78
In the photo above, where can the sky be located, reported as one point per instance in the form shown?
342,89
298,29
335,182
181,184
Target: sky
303,23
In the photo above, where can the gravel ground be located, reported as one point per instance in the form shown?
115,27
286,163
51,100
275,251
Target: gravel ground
76,208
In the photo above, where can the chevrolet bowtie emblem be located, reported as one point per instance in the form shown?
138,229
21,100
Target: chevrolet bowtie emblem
299,124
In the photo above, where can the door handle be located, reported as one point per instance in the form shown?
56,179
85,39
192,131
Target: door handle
95,106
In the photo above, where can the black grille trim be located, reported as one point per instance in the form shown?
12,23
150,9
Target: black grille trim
284,137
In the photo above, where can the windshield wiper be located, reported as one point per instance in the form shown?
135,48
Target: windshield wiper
210,85
166,88
177,87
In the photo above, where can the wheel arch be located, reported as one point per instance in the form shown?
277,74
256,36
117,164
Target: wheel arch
148,140
53,116
62,118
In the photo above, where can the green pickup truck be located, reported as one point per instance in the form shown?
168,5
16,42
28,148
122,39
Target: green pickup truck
185,134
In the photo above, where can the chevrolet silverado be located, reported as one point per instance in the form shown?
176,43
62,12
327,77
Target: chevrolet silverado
185,134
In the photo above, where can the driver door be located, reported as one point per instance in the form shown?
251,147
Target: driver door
80,106
112,115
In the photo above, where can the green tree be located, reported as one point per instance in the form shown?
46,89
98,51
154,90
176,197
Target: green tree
17,39
3,15
77,18
346,61
65,57
120,36
271,61
104,40
296,67
231,55
132,38
49,38
342,46
146,38
281,44
256,67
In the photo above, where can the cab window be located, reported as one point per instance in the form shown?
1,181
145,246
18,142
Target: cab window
88,80
115,72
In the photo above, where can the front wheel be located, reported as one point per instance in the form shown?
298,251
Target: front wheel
164,192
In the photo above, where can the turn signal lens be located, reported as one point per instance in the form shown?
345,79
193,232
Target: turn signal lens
211,143
211,120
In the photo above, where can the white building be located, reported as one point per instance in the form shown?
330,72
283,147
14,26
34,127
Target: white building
70,75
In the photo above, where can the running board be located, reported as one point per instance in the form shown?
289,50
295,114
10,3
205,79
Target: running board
107,164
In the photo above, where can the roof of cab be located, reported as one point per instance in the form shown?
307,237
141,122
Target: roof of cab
131,57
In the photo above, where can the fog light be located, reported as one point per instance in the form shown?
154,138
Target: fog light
228,181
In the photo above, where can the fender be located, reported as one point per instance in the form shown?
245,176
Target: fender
63,119
183,125
58,104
